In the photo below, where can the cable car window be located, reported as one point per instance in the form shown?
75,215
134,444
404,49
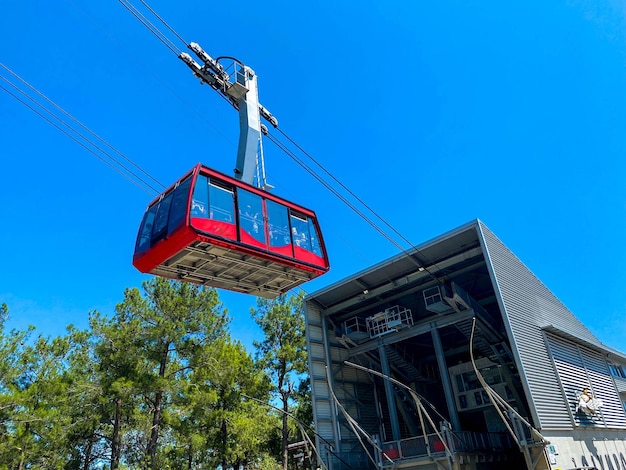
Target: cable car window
143,242
251,226
178,212
278,224
222,203
200,199
314,235
300,231
162,215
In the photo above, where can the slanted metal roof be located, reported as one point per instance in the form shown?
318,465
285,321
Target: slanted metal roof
430,260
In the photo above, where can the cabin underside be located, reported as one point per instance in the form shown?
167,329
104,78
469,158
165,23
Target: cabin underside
221,267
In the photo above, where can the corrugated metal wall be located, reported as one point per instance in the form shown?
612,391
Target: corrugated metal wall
322,408
529,306
351,387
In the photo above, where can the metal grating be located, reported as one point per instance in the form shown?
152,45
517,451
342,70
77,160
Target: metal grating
204,263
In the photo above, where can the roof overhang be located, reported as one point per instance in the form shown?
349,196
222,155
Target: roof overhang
595,346
403,272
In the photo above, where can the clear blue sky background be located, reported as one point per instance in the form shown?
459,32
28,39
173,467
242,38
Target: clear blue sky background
435,113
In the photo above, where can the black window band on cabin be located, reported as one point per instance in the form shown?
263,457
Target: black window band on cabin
145,233
178,209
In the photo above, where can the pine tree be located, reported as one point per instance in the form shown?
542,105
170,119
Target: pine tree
171,322
283,351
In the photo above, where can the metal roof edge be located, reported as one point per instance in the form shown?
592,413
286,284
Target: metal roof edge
475,223
597,346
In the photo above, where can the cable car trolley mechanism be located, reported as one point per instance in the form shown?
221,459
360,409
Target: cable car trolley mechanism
225,232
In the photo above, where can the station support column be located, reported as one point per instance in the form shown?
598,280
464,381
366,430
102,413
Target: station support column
445,380
391,395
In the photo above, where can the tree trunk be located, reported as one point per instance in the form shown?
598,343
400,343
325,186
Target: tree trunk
115,441
156,416
224,443
285,399
22,456
88,454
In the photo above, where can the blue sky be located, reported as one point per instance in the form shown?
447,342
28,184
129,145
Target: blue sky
434,113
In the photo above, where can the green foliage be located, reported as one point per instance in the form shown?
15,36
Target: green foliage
159,383
283,353
40,398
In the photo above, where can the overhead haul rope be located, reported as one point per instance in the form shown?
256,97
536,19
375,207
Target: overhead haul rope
355,196
151,27
329,187
76,134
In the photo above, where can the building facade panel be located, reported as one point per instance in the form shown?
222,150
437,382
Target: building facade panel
322,410
597,369
525,315
578,368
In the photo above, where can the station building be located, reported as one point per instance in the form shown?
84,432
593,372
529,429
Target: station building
454,355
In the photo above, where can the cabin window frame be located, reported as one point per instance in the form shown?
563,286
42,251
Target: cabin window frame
251,218
177,216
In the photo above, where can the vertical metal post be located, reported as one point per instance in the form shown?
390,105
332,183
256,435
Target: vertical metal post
332,405
391,396
249,128
445,380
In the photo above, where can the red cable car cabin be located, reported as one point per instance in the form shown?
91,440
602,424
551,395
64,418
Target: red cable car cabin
215,230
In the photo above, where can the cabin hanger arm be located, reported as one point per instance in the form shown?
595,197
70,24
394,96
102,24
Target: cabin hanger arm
241,90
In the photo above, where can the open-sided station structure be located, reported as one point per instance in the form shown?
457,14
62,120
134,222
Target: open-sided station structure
455,356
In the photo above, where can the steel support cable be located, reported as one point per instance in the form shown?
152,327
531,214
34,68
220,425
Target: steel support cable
82,144
333,191
113,38
130,174
357,430
150,26
372,211
83,126
497,401
417,398
172,30
353,207
301,425
308,442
